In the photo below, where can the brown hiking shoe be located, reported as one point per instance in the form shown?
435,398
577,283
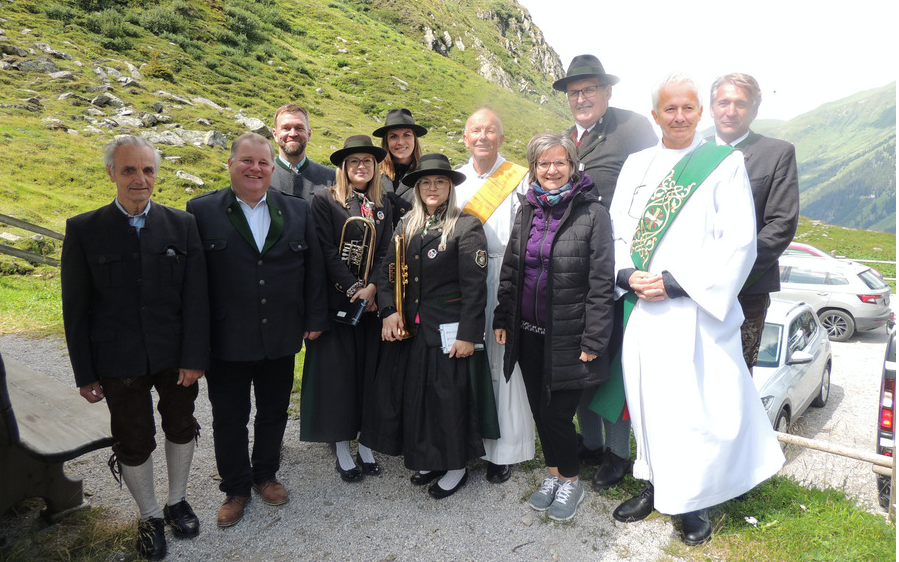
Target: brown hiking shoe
272,492
232,510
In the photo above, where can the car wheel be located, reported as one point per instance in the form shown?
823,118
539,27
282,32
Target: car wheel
782,422
823,392
839,325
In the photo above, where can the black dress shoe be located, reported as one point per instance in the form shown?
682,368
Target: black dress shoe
697,528
611,473
588,456
368,468
439,493
352,475
151,539
420,479
637,508
183,520
498,473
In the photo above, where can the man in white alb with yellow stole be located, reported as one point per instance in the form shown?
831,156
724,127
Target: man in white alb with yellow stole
684,228
490,193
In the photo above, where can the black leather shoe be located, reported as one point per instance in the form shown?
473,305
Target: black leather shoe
183,520
352,475
637,508
151,539
439,493
368,468
498,473
697,529
588,456
611,473
420,479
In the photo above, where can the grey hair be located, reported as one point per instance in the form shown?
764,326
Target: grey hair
499,122
739,80
251,137
541,142
126,140
675,78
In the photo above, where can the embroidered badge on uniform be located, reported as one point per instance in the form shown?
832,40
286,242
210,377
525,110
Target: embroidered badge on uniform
432,253
481,258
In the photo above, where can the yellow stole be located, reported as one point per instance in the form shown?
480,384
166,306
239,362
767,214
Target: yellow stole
495,190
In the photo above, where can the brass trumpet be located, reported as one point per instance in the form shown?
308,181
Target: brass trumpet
398,274
359,254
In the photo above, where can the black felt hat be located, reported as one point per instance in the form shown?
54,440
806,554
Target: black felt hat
584,66
434,164
400,119
354,144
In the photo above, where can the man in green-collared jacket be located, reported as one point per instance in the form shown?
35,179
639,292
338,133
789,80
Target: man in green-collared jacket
294,172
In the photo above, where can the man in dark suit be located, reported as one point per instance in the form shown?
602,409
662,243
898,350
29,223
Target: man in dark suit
294,172
267,294
136,316
605,137
771,165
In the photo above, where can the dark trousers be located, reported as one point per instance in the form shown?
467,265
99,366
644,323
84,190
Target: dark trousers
755,308
130,406
553,410
229,393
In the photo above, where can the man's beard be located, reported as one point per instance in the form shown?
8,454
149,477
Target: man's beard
300,149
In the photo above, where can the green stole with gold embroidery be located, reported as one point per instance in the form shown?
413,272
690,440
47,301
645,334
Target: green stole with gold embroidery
662,208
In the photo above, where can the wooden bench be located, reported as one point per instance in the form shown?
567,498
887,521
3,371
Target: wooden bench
44,423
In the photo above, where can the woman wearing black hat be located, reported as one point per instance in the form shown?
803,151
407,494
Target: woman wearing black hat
399,137
342,361
432,419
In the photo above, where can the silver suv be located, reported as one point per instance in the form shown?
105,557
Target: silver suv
846,295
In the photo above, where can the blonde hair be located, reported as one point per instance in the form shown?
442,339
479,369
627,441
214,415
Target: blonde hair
386,166
342,188
415,219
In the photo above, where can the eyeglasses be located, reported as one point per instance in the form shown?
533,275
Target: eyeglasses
439,183
588,92
353,163
558,164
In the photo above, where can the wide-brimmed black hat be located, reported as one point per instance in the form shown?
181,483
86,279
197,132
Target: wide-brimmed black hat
354,144
434,164
584,66
400,119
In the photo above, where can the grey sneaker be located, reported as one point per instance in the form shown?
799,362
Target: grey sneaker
568,497
543,498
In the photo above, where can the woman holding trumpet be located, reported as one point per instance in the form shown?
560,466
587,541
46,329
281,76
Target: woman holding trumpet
432,419
353,222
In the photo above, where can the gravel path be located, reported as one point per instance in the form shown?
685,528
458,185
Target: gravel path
387,518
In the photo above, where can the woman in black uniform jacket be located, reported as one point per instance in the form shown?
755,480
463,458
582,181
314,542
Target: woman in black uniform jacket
399,137
342,361
434,423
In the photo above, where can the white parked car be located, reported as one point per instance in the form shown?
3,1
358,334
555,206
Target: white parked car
846,296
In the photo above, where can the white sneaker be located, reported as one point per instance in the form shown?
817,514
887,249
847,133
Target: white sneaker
568,497
543,498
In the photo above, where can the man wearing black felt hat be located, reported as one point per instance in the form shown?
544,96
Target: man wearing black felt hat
605,137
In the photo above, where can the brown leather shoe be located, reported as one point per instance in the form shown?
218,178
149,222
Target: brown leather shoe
272,492
232,510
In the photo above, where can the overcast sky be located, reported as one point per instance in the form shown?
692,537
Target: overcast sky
803,53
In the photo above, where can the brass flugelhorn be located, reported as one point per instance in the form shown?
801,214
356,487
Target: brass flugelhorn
359,254
398,274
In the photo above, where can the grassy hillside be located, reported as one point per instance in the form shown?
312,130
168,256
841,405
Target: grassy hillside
348,62
846,152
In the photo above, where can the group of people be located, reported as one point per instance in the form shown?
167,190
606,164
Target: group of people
446,312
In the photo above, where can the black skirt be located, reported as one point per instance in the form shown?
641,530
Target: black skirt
339,369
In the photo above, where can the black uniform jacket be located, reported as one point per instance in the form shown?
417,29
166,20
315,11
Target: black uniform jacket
401,199
134,304
445,285
311,178
261,302
330,217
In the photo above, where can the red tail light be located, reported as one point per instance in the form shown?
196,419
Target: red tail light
869,299
887,404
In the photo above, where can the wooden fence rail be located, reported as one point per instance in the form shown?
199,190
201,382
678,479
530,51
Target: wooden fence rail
25,254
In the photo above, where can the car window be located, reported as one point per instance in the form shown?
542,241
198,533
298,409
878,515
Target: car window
797,336
803,275
769,348
809,326
872,280
832,278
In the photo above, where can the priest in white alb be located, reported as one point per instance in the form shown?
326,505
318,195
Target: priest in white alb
684,233
490,192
